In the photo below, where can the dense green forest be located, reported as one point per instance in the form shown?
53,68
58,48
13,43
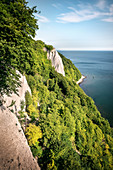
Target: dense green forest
66,129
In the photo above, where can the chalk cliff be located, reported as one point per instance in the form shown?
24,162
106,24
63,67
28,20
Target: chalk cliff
15,152
56,60
17,98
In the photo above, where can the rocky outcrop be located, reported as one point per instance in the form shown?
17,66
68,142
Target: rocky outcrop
56,60
81,79
17,98
15,154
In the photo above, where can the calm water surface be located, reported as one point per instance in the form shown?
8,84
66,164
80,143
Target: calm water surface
98,67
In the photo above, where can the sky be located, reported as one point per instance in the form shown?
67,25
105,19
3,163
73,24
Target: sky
75,24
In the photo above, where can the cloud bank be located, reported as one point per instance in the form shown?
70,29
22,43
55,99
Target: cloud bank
85,12
42,19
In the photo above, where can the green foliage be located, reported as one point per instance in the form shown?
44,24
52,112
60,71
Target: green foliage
70,70
17,20
34,133
69,120
66,131
49,47
32,104
17,26
22,105
28,98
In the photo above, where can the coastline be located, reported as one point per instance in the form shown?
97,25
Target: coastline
81,79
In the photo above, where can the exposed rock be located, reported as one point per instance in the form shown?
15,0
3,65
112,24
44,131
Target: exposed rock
81,80
15,154
17,98
56,60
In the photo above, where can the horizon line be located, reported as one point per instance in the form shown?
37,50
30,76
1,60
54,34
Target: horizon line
63,49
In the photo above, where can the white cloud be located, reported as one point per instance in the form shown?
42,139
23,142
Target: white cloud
77,15
110,14
42,18
110,19
101,4
111,9
87,12
58,5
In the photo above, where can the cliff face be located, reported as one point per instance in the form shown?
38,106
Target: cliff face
15,152
56,60
17,98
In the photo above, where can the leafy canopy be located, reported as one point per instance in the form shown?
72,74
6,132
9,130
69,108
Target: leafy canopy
34,134
17,27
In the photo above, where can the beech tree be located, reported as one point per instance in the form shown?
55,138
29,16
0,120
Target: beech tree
17,27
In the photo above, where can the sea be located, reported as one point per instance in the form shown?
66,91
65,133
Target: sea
97,66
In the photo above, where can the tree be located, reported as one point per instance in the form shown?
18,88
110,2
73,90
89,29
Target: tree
17,21
33,133
17,27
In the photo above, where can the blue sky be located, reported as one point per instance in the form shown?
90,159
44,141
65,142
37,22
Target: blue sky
75,24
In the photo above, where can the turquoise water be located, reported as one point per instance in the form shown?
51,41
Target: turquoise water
98,67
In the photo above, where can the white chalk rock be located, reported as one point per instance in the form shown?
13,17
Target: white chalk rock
17,98
15,153
56,60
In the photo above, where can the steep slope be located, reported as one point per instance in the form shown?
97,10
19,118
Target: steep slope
71,71
56,60
14,150
75,136
66,131
17,99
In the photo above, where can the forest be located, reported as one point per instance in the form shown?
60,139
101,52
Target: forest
66,130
